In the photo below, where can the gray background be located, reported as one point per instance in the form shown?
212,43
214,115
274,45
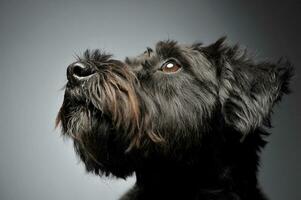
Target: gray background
38,39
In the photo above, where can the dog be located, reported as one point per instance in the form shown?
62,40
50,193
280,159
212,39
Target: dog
188,120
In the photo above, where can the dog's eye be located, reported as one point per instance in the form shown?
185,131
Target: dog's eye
170,67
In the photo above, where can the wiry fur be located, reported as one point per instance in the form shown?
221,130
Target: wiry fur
193,134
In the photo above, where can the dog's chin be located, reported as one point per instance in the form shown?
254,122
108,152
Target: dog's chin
78,122
77,116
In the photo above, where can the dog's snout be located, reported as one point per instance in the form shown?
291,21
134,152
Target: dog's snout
79,71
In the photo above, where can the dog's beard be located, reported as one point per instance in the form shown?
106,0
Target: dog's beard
79,123
88,127
100,95
110,93
100,117
74,115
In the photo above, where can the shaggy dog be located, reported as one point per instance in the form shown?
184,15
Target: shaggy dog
188,120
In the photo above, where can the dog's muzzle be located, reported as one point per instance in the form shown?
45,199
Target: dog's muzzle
78,71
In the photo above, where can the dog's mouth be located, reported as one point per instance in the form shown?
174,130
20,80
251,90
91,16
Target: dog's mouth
77,112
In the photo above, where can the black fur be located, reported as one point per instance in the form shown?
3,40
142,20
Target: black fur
191,134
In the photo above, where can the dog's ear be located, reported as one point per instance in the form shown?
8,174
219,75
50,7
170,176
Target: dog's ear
247,90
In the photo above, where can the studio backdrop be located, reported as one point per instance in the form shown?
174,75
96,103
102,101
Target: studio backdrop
39,39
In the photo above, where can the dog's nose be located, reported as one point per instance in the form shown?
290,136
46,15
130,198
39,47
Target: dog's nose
79,71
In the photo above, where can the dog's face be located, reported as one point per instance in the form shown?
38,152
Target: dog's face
163,101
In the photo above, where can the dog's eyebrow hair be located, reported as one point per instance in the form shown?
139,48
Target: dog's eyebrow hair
167,49
168,52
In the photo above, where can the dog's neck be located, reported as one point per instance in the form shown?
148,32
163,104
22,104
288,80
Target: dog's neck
189,183
174,181
227,175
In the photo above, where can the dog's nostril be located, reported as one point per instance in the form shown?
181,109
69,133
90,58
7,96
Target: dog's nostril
79,71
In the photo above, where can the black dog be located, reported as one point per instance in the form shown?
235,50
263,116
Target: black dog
189,120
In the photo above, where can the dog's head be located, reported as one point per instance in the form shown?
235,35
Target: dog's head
165,100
